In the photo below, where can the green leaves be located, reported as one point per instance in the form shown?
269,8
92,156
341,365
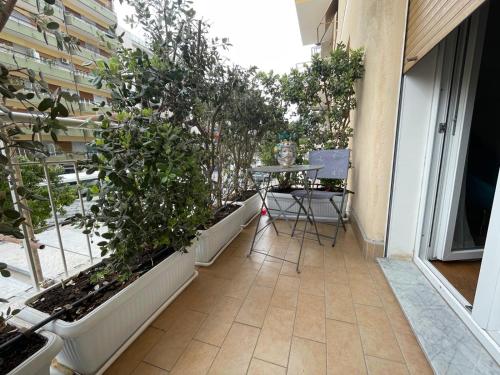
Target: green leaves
5,273
45,104
323,95
52,25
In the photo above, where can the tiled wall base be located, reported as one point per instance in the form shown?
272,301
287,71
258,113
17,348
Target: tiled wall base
369,249
448,344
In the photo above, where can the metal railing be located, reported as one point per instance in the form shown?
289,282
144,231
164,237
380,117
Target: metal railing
30,243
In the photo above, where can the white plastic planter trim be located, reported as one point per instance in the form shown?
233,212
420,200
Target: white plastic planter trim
39,363
322,209
92,340
252,208
212,241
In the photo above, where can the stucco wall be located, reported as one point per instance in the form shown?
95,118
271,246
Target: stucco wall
378,26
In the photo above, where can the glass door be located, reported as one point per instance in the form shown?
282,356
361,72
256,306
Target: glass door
453,232
486,310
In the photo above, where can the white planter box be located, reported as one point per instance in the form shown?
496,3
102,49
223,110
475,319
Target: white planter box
92,340
322,209
39,363
251,207
212,241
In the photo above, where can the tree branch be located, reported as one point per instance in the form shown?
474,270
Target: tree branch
6,11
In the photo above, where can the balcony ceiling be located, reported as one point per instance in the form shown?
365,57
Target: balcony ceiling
310,13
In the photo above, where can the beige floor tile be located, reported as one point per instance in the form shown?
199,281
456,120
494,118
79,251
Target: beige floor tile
307,357
147,369
268,275
364,293
236,352
334,260
214,330
171,345
286,292
338,303
312,281
376,333
275,337
254,308
278,250
240,286
314,257
344,350
226,307
136,352
292,254
202,298
168,316
196,360
338,316
415,359
258,367
336,276
289,269
310,318
397,318
379,366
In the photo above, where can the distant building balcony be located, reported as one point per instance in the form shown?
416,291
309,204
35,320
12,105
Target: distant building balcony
49,69
81,26
96,9
31,5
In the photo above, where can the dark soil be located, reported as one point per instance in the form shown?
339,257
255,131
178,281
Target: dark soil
277,189
16,353
245,195
222,213
80,285
288,190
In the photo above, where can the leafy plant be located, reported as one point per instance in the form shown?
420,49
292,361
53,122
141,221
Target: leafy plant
256,111
33,180
323,93
151,193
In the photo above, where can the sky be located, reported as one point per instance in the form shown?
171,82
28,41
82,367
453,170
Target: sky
264,33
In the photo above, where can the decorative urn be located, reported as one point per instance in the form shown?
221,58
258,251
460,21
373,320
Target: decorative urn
286,153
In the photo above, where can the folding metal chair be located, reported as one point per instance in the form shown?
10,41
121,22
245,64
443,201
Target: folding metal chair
335,166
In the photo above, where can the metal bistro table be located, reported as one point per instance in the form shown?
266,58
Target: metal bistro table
307,170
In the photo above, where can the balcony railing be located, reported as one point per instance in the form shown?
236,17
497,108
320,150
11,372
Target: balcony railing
31,5
51,69
89,29
97,9
14,59
28,32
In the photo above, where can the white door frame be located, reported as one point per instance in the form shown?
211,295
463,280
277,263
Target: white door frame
458,119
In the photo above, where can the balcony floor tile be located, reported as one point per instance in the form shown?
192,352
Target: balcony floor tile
257,315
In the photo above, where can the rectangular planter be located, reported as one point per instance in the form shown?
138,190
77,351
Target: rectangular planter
92,340
322,209
251,207
212,241
39,363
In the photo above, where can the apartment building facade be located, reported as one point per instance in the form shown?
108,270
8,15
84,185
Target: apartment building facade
21,44
426,149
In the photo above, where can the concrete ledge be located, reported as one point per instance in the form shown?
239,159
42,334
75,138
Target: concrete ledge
448,344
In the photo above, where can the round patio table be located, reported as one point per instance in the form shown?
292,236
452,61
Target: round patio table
308,171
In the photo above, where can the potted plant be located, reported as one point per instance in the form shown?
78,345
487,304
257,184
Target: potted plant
322,95
210,124
255,111
147,211
25,352
150,201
